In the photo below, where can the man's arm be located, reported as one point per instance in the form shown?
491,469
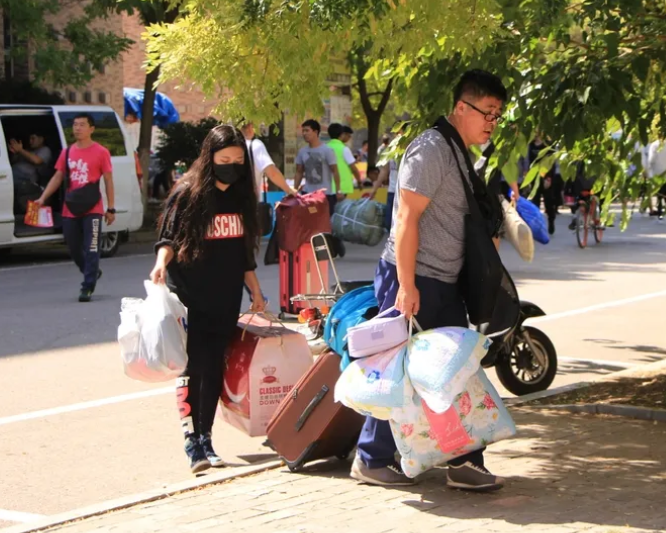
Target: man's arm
54,184
299,176
273,173
411,207
357,174
110,197
383,176
336,178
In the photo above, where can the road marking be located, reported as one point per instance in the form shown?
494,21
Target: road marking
60,262
597,307
15,516
597,362
156,392
84,405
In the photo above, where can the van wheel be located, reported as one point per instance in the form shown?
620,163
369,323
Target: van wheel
110,242
4,253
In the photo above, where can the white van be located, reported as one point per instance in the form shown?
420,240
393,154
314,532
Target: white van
55,123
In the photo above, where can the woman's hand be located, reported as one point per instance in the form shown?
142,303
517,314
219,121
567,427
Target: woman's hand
158,275
258,303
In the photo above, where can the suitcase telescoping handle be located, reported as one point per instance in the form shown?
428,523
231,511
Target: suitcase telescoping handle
311,407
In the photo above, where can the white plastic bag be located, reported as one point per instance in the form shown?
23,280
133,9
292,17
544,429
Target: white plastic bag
153,335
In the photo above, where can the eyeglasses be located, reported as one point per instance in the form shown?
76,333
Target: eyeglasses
490,117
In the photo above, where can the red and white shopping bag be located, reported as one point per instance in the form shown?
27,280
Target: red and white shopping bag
262,364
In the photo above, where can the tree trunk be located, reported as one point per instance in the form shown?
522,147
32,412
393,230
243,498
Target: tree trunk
374,119
146,131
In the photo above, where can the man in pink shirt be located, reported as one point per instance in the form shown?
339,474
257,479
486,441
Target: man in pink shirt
82,166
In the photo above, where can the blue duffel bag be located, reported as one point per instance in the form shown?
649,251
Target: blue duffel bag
351,309
533,217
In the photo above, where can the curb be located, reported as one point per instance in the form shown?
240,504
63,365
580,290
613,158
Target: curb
141,498
520,400
627,411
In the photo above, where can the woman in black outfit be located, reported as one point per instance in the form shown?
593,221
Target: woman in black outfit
205,253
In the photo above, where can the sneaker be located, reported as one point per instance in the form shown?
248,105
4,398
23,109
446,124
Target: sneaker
391,475
85,295
469,476
572,225
99,273
215,460
551,227
194,450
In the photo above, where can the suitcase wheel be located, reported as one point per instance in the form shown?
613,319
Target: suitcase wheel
295,467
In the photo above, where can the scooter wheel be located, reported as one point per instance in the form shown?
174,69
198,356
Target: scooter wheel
511,369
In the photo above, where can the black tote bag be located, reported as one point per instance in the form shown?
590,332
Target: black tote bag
482,271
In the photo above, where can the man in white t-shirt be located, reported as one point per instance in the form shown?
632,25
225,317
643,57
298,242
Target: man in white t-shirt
656,164
262,163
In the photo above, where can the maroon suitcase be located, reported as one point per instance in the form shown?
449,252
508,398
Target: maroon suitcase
300,217
308,424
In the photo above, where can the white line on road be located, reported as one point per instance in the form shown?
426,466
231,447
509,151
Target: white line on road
166,390
84,405
583,310
597,362
15,516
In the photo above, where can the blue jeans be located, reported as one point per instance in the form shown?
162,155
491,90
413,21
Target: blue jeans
441,306
82,235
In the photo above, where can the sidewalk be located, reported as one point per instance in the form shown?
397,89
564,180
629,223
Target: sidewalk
566,473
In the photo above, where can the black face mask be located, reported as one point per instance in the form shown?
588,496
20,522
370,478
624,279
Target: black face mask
228,173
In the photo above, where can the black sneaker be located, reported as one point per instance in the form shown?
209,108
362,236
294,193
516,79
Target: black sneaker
194,450
215,460
85,295
551,227
472,477
99,273
391,475
572,225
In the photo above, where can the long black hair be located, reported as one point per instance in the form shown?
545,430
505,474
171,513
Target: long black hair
194,199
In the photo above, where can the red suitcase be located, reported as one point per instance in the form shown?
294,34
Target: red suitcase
300,217
308,424
299,275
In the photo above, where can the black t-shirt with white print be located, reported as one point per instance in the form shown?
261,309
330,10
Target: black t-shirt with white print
212,285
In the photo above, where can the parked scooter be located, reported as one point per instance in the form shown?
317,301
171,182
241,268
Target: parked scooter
525,359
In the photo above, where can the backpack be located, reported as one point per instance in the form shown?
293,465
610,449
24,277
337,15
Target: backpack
351,309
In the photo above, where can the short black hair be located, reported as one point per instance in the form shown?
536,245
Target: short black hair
479,84
347,129
386,138
373,168
312,124
365,141
335,130
88,117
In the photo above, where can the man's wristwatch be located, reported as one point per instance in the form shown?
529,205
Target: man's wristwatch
111,211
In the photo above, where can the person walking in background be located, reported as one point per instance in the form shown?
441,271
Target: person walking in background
318,165
346,162
362,155
206,249
262,164
82,166
423,257
549,185
387,172
386,141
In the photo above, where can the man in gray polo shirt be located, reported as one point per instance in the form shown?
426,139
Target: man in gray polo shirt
419,269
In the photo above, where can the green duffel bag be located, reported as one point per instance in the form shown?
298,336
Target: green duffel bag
359,221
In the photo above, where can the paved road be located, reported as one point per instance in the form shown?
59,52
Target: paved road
57,354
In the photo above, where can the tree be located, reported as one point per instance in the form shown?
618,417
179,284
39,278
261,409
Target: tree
71,55
262,58
151,12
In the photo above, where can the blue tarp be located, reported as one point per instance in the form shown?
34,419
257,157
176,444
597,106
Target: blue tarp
164,112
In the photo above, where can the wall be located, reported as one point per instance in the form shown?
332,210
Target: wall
190,103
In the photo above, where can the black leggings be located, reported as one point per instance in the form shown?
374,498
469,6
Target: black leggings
199,388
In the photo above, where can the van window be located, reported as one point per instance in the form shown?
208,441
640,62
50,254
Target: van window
107,131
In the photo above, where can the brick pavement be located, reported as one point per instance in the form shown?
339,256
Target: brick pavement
566,474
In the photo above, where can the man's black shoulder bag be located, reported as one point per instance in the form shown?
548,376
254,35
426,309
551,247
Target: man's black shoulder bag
80,201
482,271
